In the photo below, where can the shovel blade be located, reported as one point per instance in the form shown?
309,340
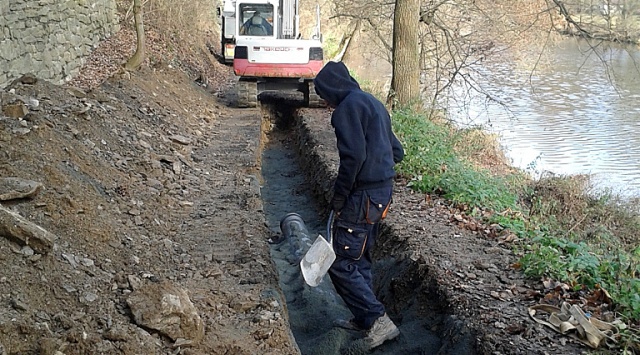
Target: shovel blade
317,261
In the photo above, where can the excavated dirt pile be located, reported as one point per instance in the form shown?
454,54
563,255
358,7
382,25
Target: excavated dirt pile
133,223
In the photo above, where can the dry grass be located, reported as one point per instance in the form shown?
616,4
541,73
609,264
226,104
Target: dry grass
180,38
181,34
602,219
189,21
483,150
569,202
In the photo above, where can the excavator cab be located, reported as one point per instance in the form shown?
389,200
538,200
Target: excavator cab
258,20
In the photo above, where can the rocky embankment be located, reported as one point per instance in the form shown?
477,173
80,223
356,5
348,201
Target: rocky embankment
137,226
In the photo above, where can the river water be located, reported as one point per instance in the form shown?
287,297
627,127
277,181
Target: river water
577,112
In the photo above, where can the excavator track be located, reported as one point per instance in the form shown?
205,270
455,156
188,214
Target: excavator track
312,99
247,93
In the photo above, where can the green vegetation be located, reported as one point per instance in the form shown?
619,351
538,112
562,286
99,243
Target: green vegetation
330,45
588,242
434,166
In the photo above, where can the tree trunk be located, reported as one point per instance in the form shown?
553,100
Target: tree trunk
138,57
405,87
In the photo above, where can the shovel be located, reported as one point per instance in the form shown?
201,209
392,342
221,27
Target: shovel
319,257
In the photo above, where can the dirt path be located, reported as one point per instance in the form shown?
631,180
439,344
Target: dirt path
156,192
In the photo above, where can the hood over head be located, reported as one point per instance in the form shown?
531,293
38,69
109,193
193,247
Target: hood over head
333,83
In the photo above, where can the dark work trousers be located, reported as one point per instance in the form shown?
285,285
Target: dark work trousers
354,234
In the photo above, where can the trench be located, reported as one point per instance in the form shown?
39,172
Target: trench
408,292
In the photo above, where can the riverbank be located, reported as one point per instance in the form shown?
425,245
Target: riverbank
562,235
597,26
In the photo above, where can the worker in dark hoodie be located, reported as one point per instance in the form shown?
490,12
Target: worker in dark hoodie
368,151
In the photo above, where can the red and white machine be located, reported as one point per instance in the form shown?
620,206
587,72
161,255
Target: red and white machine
270,53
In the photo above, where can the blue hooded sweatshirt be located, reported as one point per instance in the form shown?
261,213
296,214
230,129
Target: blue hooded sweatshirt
367,147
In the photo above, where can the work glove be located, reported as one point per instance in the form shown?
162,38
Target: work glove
337,202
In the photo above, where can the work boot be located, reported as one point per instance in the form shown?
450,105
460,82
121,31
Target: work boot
347,324
382,330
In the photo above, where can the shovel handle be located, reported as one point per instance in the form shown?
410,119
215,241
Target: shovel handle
330,226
